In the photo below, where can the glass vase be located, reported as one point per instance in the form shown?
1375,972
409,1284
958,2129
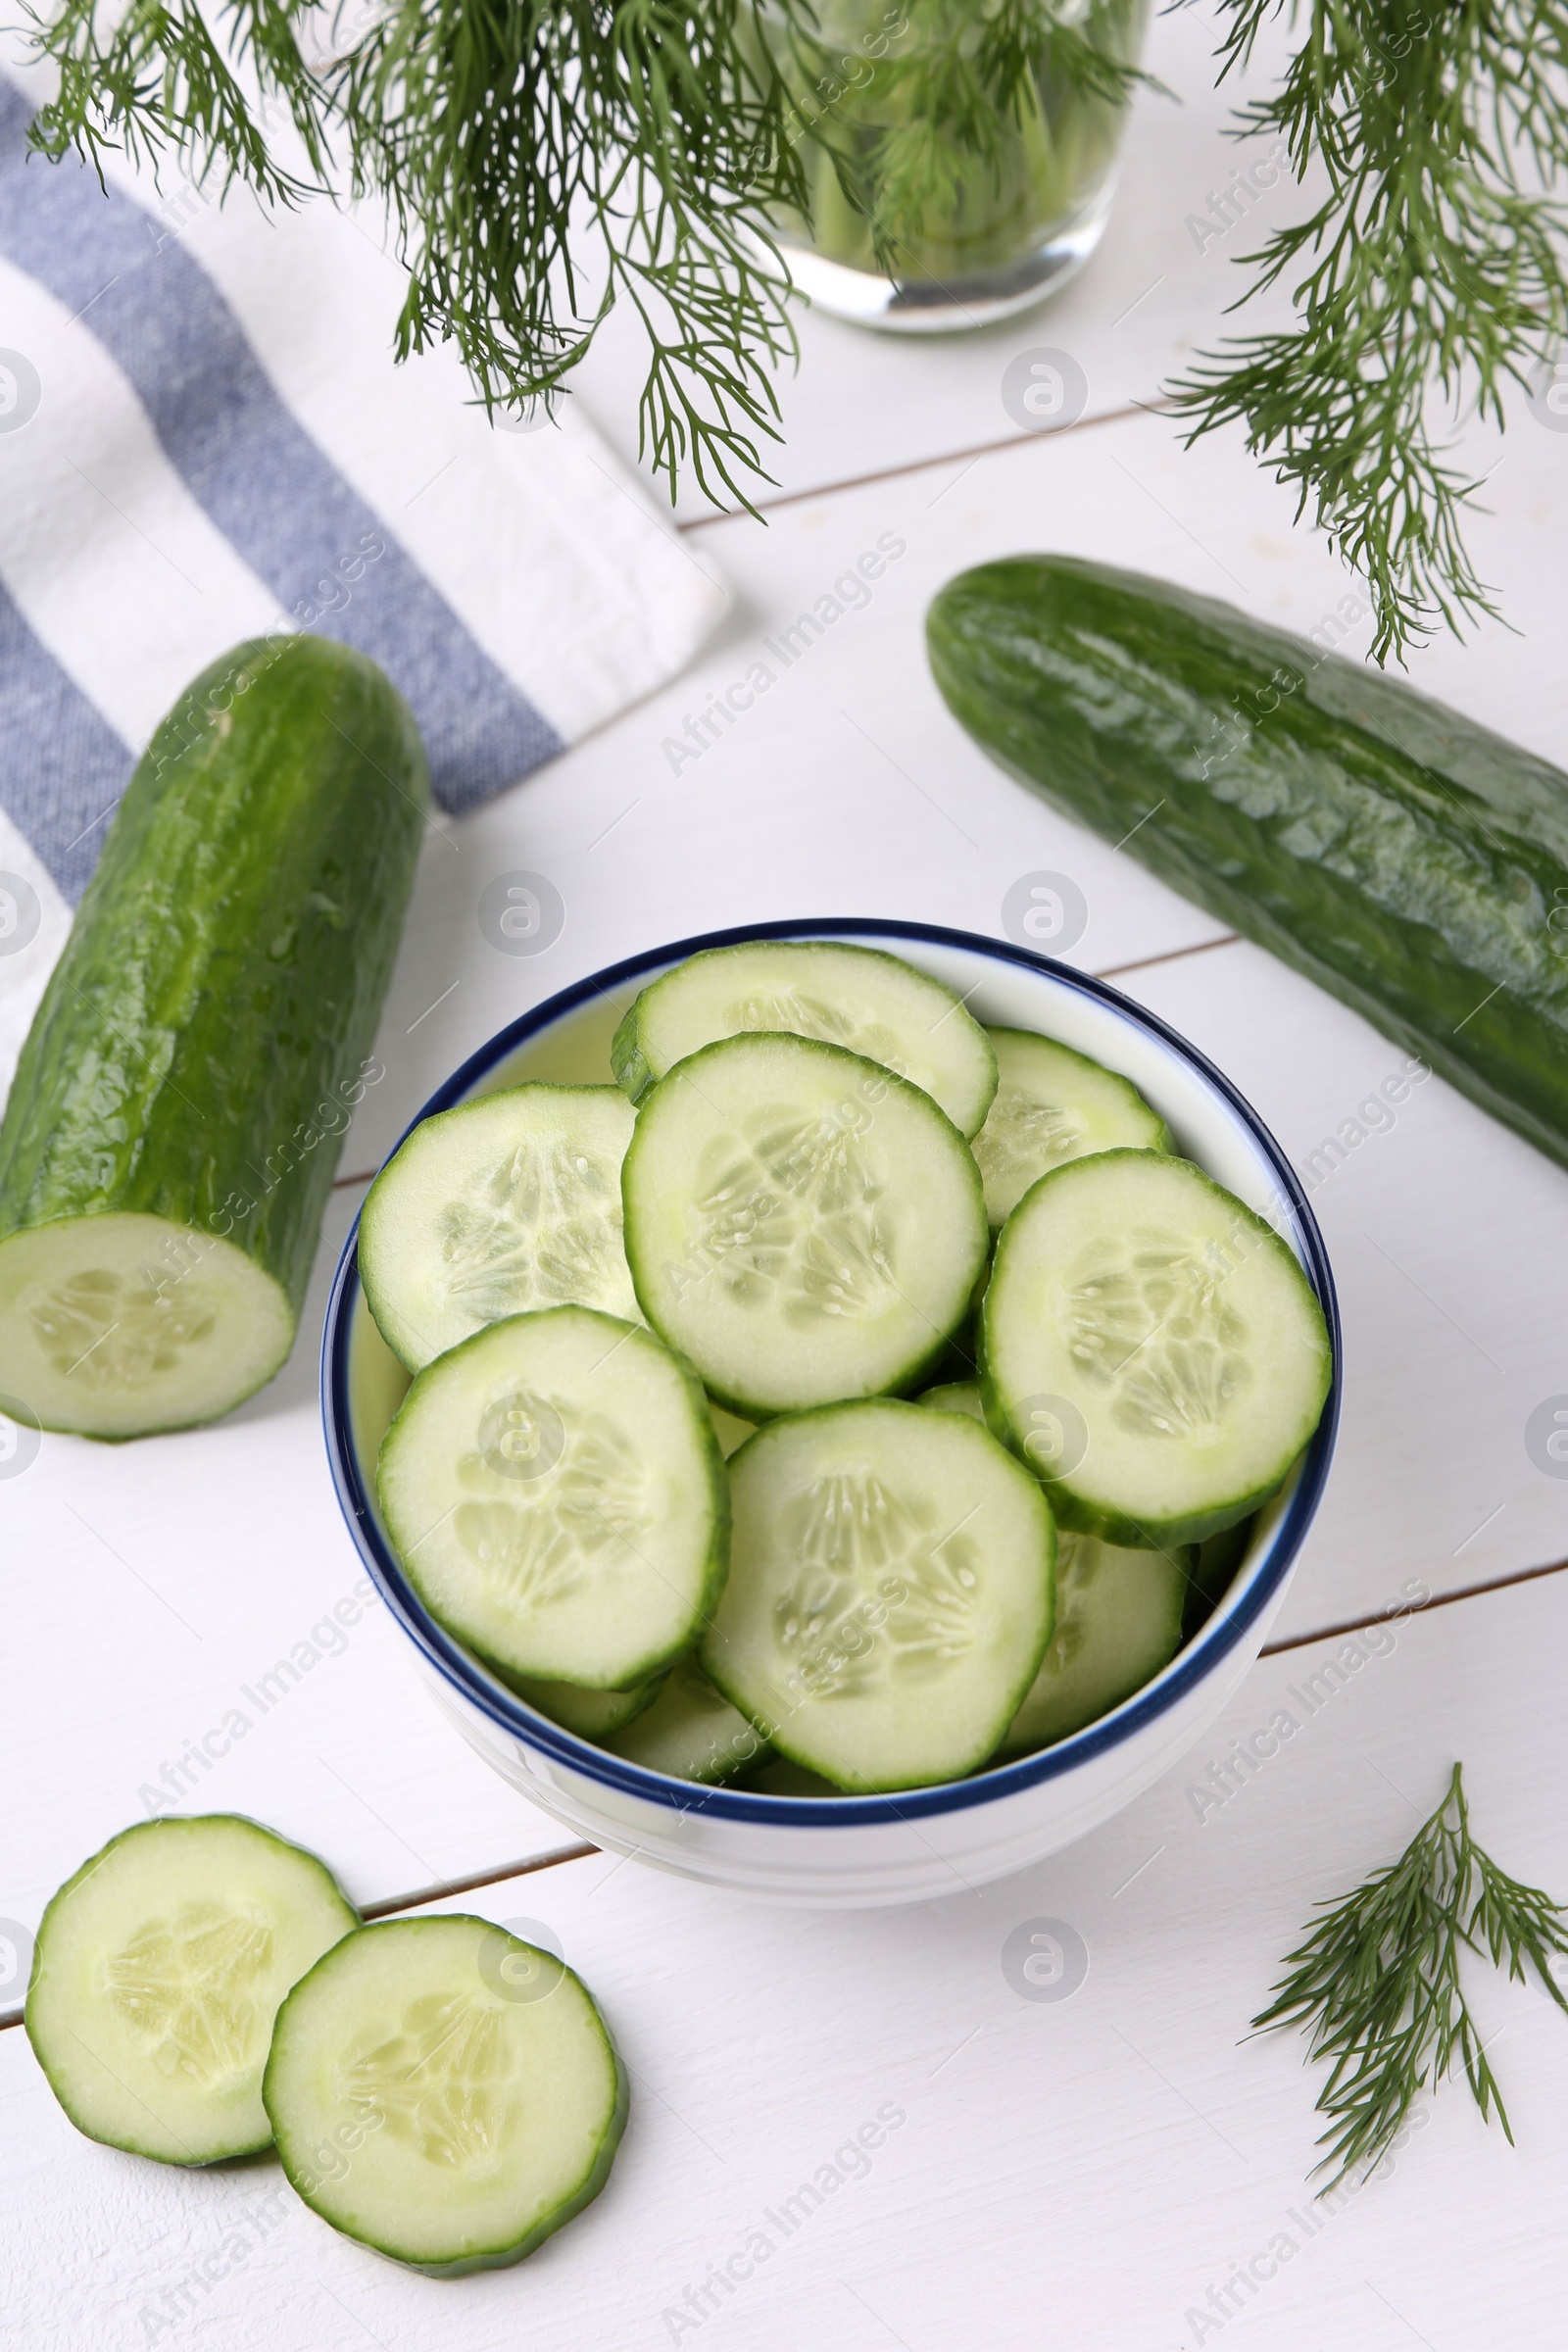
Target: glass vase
973,215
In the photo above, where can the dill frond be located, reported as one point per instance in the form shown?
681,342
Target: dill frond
1376,1983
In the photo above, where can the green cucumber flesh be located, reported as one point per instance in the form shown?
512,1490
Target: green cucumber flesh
691,1732
172,1129
1118,1623
157,1972
1053,1106
445,2093
890,1592
555,1492
504,1205
873,1004
591,1714
1176,1328
729,1429
955,1397
781,1778
1408,860
1214,1572
803,1226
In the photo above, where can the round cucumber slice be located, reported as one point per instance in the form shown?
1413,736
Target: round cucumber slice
890,1592
501,1207
1151,1348
557,1495
445,2093
1118,1622
125,1324
691,1732
801,1224
872,1003
157,1972
1052,1105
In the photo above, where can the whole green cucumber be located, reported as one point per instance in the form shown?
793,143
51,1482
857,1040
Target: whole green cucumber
1408,860
172,1131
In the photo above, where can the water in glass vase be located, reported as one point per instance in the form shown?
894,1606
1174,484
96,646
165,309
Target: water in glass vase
960,158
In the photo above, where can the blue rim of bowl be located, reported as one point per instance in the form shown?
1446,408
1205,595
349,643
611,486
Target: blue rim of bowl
1213,1641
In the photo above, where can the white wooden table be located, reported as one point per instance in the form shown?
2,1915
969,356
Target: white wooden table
1118,2170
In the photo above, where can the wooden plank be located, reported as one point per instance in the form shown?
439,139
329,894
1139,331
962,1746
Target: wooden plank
1096,2169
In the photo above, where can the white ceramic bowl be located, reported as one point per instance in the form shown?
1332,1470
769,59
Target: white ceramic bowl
856,1850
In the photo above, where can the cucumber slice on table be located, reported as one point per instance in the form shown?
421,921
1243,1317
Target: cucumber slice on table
874,1004
1118,1622
555,1491
691,1732
801,1224
173,1125
1053,1106
445,2093
503,1205
1166,1339
890,1592
157,1972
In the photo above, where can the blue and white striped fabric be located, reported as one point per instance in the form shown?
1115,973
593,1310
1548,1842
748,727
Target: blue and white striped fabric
202,436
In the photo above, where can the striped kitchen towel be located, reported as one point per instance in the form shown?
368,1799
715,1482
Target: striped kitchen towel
202,436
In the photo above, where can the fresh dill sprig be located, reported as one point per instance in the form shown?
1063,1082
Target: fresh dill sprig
543,160
547,160
1434,272
1376,1983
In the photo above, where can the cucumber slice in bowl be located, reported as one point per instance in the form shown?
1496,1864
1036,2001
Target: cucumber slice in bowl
591,1714
445,2093
803,1226
872,1003
557,1495
1162,1337
157,1972
691,1732
890,1594
1053,1106
1118,1622
504,1205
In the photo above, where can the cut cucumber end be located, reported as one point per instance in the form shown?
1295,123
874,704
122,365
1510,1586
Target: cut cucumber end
125,1324
159,1969
445,2093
